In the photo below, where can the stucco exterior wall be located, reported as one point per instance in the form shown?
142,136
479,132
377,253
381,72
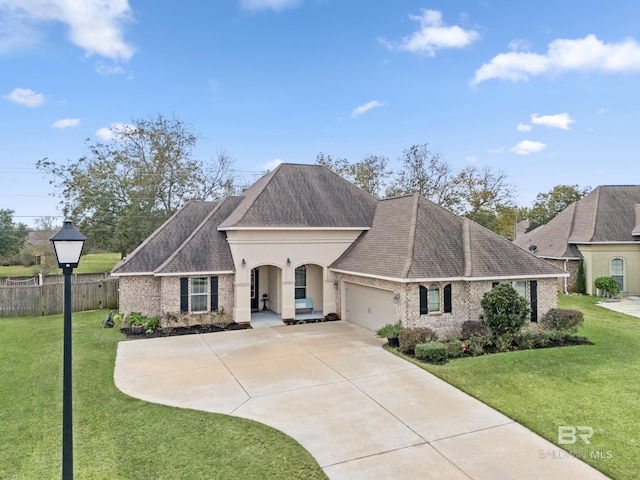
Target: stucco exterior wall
597,260
141,294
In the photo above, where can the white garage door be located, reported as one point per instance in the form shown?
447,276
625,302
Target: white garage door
367,306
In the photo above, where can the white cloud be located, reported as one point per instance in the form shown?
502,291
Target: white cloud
602,110
275,5
96,26
564,55
114,131
526,147
66,122
524,128
25,96
365,108
561,120
106,70
433,35
471,159
496,150
272,165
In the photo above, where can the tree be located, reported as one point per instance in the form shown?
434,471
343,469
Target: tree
426,173
12,236
370,174
127,187
550,204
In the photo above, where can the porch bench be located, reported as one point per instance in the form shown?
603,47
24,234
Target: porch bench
304,304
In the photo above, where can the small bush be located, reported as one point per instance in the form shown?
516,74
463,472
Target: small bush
433,352
472,327
390,330
454,348
562,319
504,342
477,344
609,285
410,337
505,310
526,339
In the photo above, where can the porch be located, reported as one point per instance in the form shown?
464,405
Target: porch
267,318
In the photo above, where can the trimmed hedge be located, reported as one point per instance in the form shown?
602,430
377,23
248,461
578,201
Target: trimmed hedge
433,352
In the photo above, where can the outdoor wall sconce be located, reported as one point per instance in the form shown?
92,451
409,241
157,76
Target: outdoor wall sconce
244,262
288,262
396,297
336,284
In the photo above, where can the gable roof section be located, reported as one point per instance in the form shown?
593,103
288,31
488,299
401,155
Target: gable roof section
162,243
302,196
636,229
412,238
606,215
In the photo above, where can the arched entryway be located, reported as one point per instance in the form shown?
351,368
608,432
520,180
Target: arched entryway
266,290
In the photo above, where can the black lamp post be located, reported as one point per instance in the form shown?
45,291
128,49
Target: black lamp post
67,243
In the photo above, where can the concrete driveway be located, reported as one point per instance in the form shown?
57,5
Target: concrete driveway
362,412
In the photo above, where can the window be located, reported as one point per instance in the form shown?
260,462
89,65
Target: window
520,287
198,294
617,272
434,298
301,282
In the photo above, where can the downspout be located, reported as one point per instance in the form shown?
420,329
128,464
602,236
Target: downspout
566,289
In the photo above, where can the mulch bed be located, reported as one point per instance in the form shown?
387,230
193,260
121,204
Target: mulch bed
175,331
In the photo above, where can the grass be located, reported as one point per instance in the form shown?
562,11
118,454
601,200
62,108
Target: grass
590,385
116,436
90,263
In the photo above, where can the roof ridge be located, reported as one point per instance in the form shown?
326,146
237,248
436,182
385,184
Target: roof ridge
411,244
594,219
190,237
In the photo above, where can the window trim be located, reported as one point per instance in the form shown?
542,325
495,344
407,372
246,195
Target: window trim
621,276
297,286
427,304
199,295
211,294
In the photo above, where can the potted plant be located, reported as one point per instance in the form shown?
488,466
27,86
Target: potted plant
390,332
136,323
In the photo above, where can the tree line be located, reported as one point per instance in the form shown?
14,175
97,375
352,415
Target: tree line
125,188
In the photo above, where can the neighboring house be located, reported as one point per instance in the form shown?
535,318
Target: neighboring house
309,240
603,228
40,245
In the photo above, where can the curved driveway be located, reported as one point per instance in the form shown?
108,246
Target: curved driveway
362,412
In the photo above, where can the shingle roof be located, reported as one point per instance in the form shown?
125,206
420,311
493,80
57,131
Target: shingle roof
302,196
413,238
168,238
607,214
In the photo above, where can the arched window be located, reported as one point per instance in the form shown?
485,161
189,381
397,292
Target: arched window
434,298
617,272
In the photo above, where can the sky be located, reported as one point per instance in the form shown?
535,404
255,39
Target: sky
545,91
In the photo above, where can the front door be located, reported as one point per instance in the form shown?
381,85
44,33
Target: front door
255,289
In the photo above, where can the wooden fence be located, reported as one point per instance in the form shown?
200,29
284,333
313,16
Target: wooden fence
47,299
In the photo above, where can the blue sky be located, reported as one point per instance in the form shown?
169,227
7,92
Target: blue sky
546,91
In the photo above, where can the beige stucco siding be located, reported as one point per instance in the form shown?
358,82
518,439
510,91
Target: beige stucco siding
597,261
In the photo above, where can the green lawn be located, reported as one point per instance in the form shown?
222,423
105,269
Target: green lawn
90,263
116,436
591,385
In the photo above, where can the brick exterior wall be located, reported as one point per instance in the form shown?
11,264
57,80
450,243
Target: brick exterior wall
140,294
571,266
465,296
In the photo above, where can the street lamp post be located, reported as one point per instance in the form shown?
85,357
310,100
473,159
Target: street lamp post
67,243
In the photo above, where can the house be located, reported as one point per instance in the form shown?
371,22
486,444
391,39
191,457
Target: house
602,228
304,240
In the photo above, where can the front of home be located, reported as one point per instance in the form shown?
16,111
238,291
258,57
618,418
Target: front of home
602,229
304,241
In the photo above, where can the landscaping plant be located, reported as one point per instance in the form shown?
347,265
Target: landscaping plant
505,310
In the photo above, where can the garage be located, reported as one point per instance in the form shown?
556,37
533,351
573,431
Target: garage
368,307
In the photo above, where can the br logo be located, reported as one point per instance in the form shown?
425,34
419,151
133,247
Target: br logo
568,434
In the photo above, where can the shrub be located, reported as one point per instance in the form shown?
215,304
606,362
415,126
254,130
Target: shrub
609,285
504,342
390,330
505,310
562,319
477,344
526,339
433,352
581,281
472,327
410,337
455,348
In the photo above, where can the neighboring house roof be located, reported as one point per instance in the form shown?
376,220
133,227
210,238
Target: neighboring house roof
636,229
302,196
606,215
412,238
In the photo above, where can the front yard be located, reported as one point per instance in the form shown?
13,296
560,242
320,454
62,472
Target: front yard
596,386
116,436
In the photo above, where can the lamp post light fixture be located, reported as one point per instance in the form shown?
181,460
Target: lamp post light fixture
67,243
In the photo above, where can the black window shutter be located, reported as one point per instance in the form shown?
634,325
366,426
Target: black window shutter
495,284
447,299
184,294
424,304
214,294
533,299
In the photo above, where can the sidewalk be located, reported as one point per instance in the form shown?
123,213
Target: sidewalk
362,412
